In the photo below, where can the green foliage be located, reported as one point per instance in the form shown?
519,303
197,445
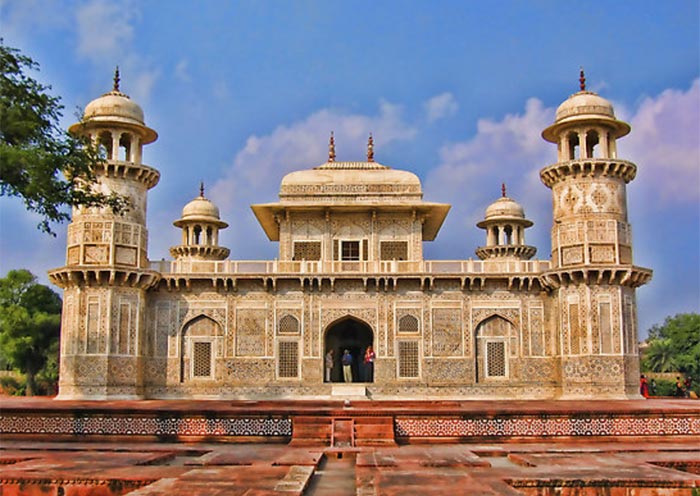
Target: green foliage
675,346
660,357
39,162
665,388
11,386
30,322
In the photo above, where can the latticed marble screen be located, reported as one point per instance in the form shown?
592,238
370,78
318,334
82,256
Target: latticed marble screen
201,359
408,359
394,250
495,359
288,325
408,324
288,359
307,250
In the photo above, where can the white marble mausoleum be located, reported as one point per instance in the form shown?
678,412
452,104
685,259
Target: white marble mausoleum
350,273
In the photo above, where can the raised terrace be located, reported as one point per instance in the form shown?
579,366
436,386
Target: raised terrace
357,447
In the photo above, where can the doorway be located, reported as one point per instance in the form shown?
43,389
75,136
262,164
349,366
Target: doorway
348,334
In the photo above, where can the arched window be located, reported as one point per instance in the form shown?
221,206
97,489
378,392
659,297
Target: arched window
104,144
408,324
492,347
288,325
197,234
574,150
197,350
125,148
592,140
209,240
508,232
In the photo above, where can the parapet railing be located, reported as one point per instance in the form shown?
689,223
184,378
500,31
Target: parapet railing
274,267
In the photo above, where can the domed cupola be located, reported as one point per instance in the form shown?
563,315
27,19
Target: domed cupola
116,124
585,126
505,225
200,224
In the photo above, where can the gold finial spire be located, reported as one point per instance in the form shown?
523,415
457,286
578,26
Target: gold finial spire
331,148
116,79
582,80
201,189
503,190
370,149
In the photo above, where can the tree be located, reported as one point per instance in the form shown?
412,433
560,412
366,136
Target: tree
30,321
660,356
39,162
675,346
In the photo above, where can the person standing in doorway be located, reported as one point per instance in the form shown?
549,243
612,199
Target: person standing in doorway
330,359
347,366
369,364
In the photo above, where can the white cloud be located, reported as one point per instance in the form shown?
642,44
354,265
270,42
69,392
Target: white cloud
304,144
665,145
182,71
257,169
142,83
105,29
440,106
21,18
470,174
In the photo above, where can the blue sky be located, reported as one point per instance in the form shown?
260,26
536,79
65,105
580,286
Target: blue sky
456,91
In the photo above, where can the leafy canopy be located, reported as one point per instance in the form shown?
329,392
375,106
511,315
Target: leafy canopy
30,322
39,162
675,346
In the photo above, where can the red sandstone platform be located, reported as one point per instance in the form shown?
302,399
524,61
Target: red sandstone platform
172,469
538,448
362,422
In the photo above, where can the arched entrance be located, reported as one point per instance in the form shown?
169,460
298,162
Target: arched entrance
348,334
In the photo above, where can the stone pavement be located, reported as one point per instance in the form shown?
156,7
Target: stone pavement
566,468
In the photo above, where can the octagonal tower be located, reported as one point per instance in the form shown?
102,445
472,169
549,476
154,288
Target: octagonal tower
592,277
106,273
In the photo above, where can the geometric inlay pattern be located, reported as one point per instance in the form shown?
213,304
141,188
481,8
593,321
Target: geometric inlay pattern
548,426
146,426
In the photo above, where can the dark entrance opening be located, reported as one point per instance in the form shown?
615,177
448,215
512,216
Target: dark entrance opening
353,335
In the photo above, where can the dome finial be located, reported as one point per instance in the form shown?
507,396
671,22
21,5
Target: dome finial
201,189
116,79
331,148
582,80
370,149
503,190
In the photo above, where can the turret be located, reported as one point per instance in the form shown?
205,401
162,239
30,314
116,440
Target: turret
200,224
592,276
106,273
505,225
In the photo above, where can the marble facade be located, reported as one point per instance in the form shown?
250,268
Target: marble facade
351,273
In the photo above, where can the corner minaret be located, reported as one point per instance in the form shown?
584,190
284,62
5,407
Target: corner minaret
200,224
592,273
106,273
505,225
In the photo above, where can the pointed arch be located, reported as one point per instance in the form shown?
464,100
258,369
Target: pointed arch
355,335
199,337
493,337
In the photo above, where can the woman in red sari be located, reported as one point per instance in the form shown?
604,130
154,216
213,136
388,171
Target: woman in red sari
643,386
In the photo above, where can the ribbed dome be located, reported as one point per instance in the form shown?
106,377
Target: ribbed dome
585,106
584,103
504,208
342,178
200,210
117,108
115,104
